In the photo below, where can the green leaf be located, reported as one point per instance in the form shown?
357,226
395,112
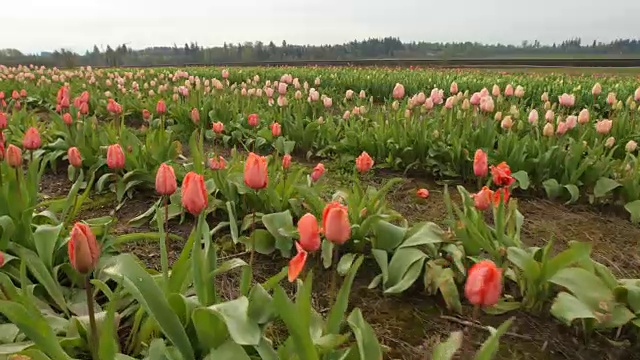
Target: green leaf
46,239
235,313
427,233
228,350
574,192
489,349
261,308
584,285
604,186
336,314
210,328
368,345
274,223
446,350
233,224
345,263
633,208
7,226
523,179
299,333
567,308
327,253
552,188
145,290
263,242
387,236
35,327
404,269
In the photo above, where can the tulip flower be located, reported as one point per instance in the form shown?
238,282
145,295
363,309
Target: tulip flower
423,193
309,233
508,91
596,90
610,142
611,98
548,130
75,159
115,157
217,164
335,223
364,162
194,193
195,116
533,117
1,259
296,264
631,146
84,251
253,120
218,127
453,89
2,151
256,175
13,154
566,100
501,175
276,129
562,128
31,139
636,94
3,121
67,119
484,284
480,164
166,183
146,115
495,91
501,195
604,126
398,91
286,161
583,117
317,172
482,199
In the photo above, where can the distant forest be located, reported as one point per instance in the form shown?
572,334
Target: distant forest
386,48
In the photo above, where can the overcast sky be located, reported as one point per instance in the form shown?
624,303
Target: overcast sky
37,25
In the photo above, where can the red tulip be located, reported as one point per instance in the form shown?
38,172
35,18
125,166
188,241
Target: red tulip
217,164
15,95
364,162
23,93
195,116
67,118
309,233
194,193
423,193
1,151
297,263
480,164
1,259
83,248
253,120
218,127
335,223
286,161
166,183
502,174
84,108
255,172
161,107
75,159
115,157
317,172
484,284
500,194
482,199
276,129
14,156
146,115
3,120
31,140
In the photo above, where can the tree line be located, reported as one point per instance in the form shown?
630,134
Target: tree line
384,48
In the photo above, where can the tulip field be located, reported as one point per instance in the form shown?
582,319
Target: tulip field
318,213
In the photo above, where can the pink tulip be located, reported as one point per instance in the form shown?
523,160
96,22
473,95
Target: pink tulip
508,91
398,91
495,91
533,117
549,116
583,117
611,98
475,99
596,90
566,100
453,89
604,126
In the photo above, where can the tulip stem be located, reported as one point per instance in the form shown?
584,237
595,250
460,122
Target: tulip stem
476,311
164,261
334,277
252,239
92,318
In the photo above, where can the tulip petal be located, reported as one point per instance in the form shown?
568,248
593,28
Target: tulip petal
297,264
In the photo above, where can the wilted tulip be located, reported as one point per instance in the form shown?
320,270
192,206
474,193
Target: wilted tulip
83,249
335,223
115,157
255,172
75,159
364,162
296,264
31,139
217,163
194,193
501,175
422,193
166,183
484,284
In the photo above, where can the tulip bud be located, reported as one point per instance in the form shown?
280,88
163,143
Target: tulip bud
255,172
75,159
610,142
115,157
166,183
83,249
335,223
631,146
286,161
13,155
548,130
195,116
194,193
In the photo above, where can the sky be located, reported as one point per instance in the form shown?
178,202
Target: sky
45,25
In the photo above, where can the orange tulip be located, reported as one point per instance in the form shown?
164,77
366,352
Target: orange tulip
484,284
335,223
309,233
297,263
255,172
218,127
276,129
115,157
14,156
364,162
423,193
31,140
482,199
166,183
194,193
500,194
75,159
501,175
83,248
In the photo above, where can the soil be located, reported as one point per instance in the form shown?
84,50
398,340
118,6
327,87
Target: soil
411,324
